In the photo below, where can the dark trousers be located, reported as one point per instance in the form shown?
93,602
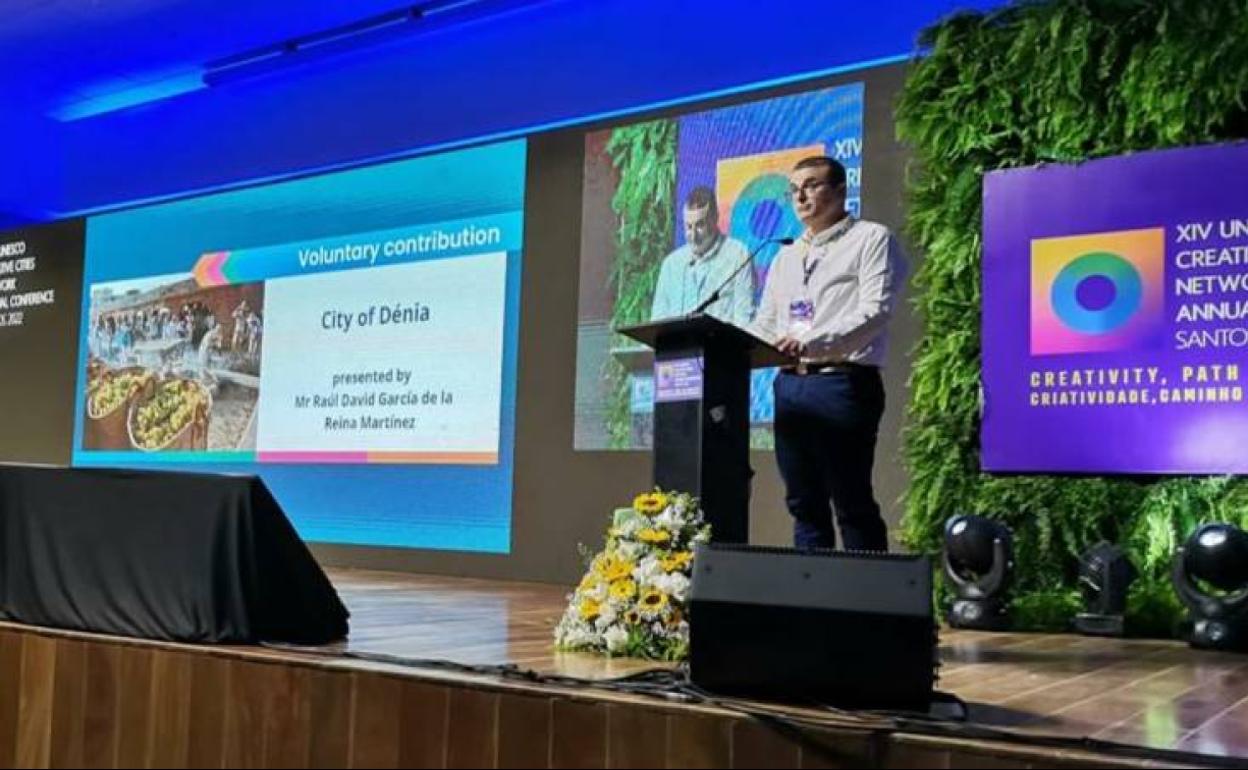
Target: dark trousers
826,428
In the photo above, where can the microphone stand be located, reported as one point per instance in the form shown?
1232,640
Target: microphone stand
749,260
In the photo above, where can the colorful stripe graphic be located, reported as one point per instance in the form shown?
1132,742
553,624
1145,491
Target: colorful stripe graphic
379,458
210,269
494,233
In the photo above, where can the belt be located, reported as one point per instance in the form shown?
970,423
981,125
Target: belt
844,367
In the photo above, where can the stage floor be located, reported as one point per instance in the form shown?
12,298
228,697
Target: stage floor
1147,693
419,684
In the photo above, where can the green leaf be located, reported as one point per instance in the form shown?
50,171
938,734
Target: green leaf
1056,80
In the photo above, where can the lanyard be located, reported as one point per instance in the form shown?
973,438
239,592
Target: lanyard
705,259
808,267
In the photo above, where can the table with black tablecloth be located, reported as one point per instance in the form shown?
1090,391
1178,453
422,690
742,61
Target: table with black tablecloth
175,556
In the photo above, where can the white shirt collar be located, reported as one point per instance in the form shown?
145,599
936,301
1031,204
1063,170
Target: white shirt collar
709,253
831,234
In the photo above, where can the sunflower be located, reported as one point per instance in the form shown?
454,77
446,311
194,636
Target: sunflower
677,561
652,536
632,618
613,568
590,609
650,503
589,582
653,601
623,590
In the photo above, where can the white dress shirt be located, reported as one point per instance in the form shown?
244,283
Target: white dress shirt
853,273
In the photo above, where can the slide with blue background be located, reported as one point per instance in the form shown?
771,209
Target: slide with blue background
350,337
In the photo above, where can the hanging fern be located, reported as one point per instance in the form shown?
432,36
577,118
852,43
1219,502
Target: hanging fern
1053,81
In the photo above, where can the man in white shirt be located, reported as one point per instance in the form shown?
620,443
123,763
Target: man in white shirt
691,273
827,300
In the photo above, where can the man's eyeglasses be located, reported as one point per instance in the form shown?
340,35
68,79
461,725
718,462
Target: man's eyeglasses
806,190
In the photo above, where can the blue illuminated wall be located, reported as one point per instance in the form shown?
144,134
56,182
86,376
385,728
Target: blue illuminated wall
561,60
31,184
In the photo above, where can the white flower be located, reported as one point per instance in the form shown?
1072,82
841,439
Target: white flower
630,526
576,635
648,571
669,520
675,585
606,617
630,551
616,639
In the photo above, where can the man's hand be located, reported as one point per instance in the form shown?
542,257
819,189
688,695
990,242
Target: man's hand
790,346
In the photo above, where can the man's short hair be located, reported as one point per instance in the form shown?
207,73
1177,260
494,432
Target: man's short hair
701,197
836,172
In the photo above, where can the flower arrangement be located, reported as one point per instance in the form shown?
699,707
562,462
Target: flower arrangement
633,599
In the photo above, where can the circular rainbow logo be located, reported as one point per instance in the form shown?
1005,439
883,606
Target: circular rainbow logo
760,213
1097,293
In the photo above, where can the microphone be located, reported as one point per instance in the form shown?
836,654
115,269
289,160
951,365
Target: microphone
719,290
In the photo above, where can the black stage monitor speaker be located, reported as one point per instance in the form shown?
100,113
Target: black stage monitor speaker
846,629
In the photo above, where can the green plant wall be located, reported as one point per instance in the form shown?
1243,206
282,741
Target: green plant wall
1056,81
645,157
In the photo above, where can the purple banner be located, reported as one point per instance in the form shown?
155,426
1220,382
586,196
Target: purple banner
1115,315
678,379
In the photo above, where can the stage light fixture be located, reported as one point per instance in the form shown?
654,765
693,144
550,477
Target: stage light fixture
1105,575
1211,578
355,37
979,562
271,58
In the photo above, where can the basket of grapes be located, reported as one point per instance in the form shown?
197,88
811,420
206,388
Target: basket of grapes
174,417
110,392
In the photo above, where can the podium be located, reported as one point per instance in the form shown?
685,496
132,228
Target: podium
702,413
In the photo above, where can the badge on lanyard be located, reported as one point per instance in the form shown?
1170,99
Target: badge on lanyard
801,316
802,309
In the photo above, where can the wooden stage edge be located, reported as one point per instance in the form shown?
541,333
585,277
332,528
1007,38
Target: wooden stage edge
70,699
